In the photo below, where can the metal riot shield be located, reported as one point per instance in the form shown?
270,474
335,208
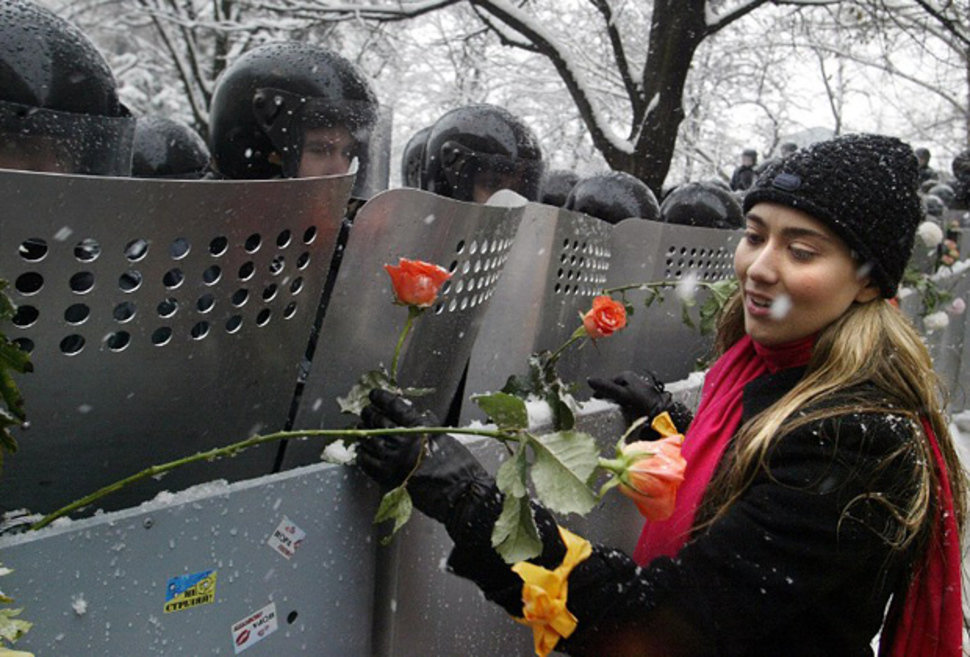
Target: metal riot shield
362,324
163,318
212,571
375,172
656,338
557,264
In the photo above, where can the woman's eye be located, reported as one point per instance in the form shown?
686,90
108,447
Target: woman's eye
802,254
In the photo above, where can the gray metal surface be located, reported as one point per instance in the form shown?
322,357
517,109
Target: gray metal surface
421,609
98,586
557,264
194,301
656,338
362,323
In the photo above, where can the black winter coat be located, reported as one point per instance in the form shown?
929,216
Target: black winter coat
796,567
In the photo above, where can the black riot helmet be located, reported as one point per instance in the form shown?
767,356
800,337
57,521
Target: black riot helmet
165,148
704,204
944,192
933,206
59,107
283,101
482,147
412,160
613,197
556,185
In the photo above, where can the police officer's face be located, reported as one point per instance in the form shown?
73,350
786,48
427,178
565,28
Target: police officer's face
30,153
489,182
326,152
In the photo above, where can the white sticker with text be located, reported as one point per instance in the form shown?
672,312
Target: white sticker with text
254,628
286,538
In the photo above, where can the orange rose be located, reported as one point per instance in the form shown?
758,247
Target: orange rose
654,478
416,283
605,318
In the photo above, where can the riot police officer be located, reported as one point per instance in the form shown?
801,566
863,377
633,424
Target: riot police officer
292,110
412,160
702,203
474,151
613,197
165,148
59,106
556,185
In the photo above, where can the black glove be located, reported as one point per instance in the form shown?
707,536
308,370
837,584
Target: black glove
637,395
448,475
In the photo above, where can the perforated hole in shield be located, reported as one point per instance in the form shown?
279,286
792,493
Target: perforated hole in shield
229,283
474,273
707,263
582,267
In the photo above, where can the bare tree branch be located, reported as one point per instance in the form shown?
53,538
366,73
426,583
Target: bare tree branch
619,55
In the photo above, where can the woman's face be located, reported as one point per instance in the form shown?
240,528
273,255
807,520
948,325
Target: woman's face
796,275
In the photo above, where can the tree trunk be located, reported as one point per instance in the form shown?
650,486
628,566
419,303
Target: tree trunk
677,28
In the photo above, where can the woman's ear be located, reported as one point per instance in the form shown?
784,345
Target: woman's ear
868,293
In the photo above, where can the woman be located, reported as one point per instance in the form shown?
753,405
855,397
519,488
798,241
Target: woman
821,478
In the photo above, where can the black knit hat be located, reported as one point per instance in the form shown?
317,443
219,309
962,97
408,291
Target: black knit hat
863,187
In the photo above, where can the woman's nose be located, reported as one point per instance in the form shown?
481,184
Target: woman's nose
764,267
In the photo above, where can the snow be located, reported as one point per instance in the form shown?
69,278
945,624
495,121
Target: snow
780,306
539,413
340,453
687,287
575,71
506,198
936,321
79,604
191,494
930,233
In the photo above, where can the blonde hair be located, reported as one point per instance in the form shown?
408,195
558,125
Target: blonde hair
871,343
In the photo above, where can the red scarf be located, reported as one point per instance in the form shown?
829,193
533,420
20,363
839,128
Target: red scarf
930,616
714,425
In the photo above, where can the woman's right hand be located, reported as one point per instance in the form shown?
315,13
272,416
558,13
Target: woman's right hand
637,395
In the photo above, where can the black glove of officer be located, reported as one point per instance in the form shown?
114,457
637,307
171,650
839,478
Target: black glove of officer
639,396
448,477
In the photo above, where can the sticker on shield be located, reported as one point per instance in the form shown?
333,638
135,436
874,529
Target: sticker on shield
254,628
187,591
286,538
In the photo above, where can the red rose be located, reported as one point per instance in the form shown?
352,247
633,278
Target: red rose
416,283
605,318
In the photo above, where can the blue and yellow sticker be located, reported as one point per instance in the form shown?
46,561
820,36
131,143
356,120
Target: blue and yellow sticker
187,591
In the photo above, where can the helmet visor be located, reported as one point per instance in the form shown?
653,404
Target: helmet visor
476,176
314,136
35,139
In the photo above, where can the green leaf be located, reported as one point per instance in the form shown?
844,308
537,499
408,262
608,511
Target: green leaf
505,410
564,463
12,628
356,400
562,416
510,477
395,505
10,394
518,386
685,315
7,307
13,357
515,535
